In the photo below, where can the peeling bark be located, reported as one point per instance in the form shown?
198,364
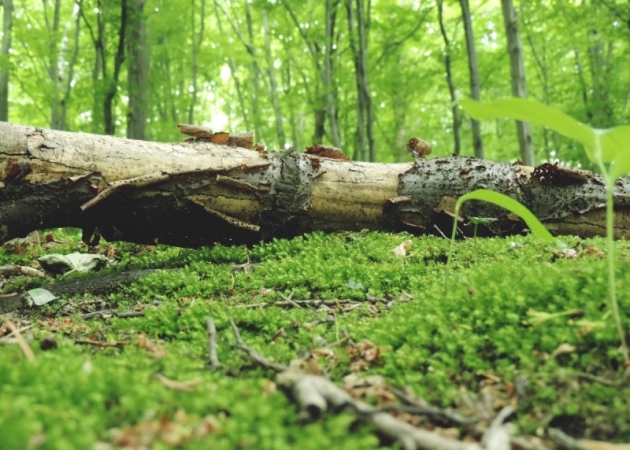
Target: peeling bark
193,194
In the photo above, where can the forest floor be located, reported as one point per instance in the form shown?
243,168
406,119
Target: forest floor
511,322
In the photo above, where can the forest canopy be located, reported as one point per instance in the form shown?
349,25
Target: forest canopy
361,75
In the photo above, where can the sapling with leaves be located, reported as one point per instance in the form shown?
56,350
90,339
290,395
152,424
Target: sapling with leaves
608,149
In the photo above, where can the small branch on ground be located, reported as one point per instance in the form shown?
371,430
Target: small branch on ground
109,313
253,354
315,394
212,345
20,339
312,303
100,343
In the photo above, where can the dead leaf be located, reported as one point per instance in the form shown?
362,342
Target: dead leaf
403,248
563,348
184,386
327,152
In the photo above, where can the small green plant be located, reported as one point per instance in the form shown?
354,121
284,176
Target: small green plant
608,149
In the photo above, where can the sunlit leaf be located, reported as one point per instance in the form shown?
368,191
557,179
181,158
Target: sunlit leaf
614,142
529,110
620,166
536,227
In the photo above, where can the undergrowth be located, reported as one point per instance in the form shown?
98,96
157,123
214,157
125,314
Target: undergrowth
513,311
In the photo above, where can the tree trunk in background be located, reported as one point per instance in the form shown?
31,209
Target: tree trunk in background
273,88
363,20
200,193
360,148
237,83
61,70
599,111
473,67
137,72
517,69
327,78
105,86
541,61
255,91
196,39
449,79
56,120
5,55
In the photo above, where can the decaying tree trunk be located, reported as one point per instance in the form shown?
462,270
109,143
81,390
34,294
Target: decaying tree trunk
192,194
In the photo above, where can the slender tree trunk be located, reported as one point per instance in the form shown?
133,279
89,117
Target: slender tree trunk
600,112
56,120
327,81
449,80
137,72
197,39
111,83
362,25
273,87
237,83
5,55
473,67
517,69
255,90
541,61
360,146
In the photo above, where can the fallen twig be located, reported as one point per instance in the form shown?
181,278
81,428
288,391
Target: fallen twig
183,386
109,313
313,303
212,345
100,343
20,339
314,394
253,354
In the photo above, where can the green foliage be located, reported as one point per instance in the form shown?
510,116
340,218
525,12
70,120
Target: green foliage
508,203
510,306
405,48
601,146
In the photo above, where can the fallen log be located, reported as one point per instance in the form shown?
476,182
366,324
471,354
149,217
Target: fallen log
198,193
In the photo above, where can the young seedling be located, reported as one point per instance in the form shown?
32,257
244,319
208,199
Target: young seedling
608,149
479,221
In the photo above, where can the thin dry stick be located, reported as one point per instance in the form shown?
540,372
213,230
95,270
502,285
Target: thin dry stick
20,339
253,354
212,345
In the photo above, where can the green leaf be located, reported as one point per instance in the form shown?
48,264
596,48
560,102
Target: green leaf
528,110
620,165
536,227
614,142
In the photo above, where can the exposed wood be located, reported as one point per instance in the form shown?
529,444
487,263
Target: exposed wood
192,194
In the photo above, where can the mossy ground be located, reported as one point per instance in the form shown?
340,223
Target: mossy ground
504,310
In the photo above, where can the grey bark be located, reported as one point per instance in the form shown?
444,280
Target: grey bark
197,194
5,55
473,68
449,80
517,71
137,71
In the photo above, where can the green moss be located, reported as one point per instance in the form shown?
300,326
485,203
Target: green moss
507,307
